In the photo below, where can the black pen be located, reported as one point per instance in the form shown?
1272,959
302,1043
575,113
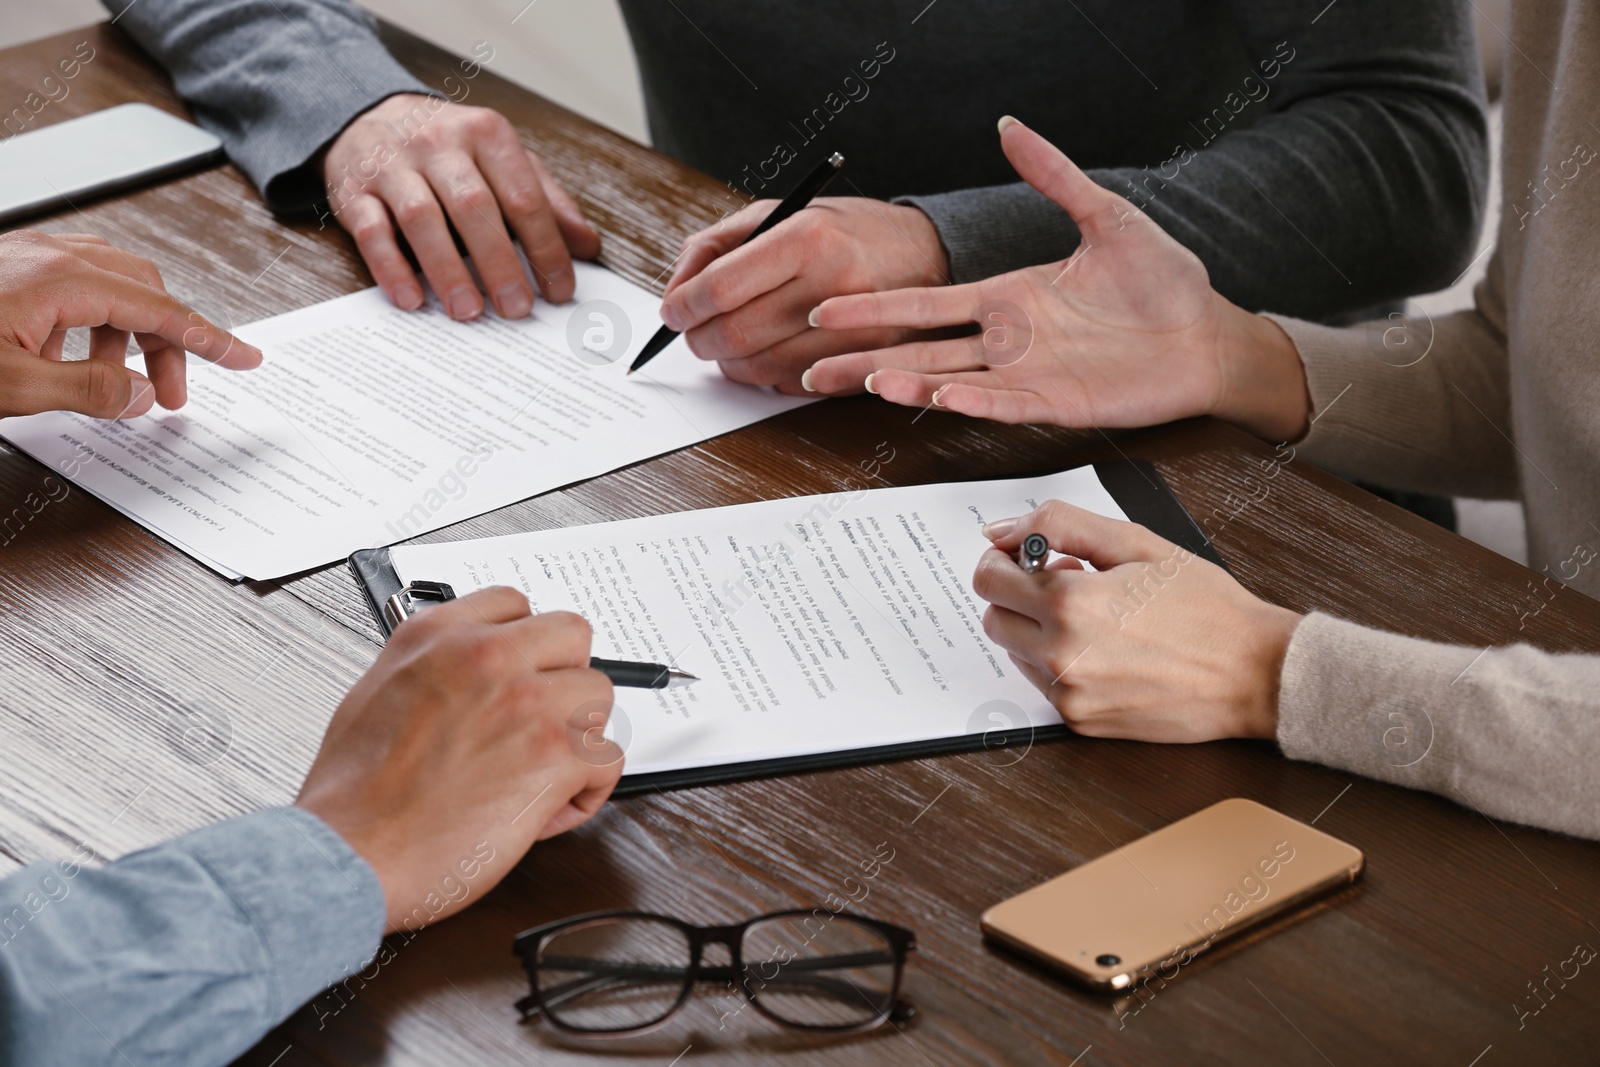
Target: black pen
420,595
641,675
808,190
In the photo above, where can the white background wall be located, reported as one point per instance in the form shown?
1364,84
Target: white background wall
24,20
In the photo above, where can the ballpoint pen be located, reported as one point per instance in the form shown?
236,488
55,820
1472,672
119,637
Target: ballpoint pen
642,675
420,595
809,189
1034,551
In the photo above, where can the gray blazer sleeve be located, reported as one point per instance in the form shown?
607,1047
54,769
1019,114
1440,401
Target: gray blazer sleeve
1355,175
185,954
276,80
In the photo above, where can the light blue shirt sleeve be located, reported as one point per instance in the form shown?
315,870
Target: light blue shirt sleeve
184,954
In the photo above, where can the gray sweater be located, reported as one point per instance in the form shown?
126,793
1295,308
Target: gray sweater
1317,163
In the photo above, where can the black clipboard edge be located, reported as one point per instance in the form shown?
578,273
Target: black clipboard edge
1145,497
1134,484
993,740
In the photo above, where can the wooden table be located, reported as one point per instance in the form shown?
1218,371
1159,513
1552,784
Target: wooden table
110,638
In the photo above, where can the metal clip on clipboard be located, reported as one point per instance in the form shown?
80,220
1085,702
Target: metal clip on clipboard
413,598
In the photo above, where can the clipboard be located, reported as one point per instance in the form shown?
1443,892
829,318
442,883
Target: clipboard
1134,484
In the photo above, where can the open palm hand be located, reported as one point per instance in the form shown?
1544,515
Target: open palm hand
1126,332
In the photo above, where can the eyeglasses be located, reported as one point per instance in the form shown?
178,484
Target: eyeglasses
625,972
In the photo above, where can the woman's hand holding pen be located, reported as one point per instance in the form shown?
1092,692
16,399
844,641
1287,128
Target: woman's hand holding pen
50,284
1155,644
1127,332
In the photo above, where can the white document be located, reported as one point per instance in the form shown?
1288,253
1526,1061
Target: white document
816,624
368,425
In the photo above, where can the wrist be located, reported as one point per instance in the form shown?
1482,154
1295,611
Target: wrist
931,265
1264,381
392,107
1258,704
337,819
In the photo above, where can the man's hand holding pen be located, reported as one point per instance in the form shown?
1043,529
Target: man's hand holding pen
461,733
746,306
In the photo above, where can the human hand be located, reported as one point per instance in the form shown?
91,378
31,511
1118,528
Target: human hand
747,307
419,159
466,730
51,284
1155,644
1126,332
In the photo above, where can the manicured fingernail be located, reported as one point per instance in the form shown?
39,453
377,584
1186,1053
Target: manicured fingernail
937,393
815,318
464,304
1006,122
868,382
805,381
408,297
997,529
514,301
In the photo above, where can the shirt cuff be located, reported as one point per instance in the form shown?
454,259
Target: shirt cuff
316,906
286,166
1341,360
997,229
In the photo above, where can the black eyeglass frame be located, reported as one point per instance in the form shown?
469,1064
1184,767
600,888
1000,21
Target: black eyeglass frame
527,945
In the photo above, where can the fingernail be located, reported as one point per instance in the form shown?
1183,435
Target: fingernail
669,316
868,382
409,297
140,398
514,301
815,318
805,381
937,393
1006,122
464,304
558,280
997,529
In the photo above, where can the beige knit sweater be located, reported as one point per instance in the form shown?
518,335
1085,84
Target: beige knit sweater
1505,403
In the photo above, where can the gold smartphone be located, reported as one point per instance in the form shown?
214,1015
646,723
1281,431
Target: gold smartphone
1160,901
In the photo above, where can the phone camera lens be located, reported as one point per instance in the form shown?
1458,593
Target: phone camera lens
1108,960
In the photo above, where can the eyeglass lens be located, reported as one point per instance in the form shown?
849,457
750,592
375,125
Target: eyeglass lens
827,972
623,973
614,974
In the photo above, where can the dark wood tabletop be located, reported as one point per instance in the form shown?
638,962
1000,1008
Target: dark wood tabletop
110,640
